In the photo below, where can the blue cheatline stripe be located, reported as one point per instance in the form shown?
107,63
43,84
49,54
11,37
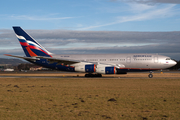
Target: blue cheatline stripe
22,40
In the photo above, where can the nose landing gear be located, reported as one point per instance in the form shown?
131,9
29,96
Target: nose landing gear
150,75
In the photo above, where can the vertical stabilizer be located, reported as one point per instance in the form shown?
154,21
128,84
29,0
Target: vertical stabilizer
30,46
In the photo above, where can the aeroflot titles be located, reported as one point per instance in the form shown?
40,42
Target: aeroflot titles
133,56
142,56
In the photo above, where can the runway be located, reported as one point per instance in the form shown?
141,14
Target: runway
156,74
80,77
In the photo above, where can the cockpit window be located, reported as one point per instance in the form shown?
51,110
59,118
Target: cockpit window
168,58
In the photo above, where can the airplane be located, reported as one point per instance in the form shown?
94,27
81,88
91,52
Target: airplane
94,65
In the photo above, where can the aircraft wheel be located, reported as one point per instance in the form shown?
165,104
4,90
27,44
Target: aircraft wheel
89,75
86,75
93,75
150,75
99,75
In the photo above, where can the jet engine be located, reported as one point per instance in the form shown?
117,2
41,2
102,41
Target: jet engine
105,69
84,67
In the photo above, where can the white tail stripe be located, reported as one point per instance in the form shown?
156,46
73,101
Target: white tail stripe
20,37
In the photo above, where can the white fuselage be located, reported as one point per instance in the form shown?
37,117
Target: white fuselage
125,61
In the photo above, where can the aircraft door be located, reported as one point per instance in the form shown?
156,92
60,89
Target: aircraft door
128,59
155,59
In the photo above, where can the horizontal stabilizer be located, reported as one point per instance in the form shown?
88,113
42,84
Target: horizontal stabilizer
26,58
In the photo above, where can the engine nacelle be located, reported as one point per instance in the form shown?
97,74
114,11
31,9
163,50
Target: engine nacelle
85,67
105,69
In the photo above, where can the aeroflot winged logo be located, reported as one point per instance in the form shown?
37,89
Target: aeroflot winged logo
29,45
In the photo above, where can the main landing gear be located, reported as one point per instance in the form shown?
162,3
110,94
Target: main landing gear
93,75
150,75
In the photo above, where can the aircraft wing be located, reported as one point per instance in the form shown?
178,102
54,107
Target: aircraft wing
62,61
51,60
59,61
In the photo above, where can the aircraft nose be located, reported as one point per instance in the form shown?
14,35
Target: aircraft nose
173,62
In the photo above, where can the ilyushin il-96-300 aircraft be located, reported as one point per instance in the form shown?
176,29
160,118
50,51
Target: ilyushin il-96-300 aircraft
94,65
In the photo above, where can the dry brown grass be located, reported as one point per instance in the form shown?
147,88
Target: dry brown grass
87,98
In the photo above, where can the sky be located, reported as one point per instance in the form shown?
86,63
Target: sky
94,26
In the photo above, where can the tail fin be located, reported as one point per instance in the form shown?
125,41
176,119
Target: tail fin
30,46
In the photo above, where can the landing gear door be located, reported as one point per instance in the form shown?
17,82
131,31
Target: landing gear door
128,59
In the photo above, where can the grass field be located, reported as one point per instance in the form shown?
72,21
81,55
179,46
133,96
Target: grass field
91,98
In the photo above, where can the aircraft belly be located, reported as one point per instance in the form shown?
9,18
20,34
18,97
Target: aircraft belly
137,66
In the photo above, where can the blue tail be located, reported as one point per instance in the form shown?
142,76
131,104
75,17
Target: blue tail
30,46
